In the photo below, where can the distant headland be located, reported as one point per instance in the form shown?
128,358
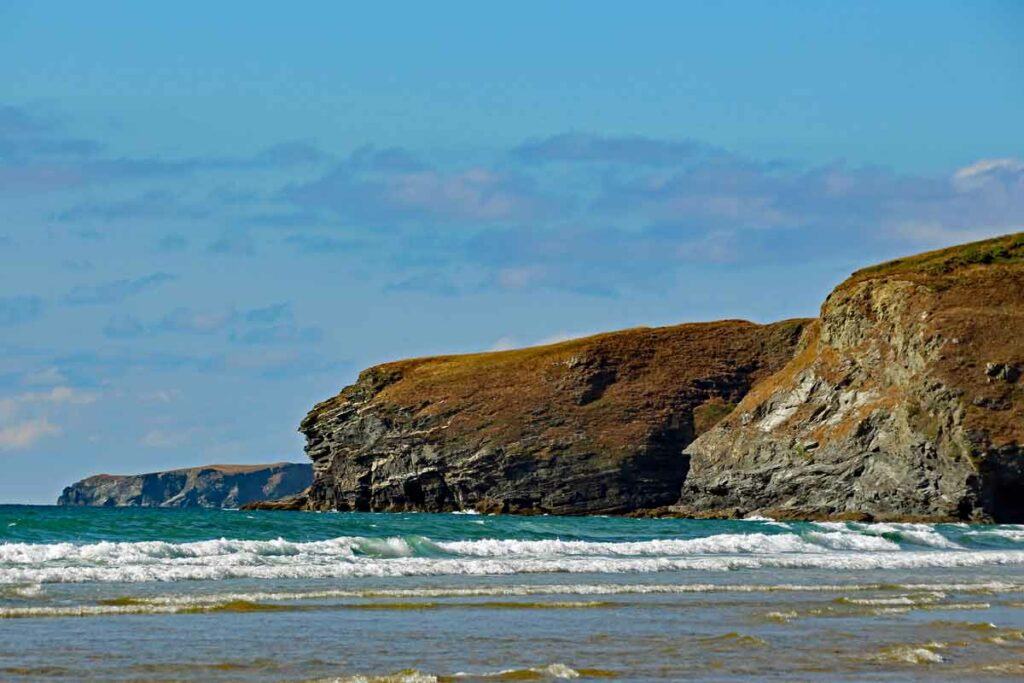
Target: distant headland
215,486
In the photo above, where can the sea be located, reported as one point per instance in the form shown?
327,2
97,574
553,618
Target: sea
221,595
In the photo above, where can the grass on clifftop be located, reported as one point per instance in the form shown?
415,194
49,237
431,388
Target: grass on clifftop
999,250
602,394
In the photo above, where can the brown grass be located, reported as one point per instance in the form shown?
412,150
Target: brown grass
604,393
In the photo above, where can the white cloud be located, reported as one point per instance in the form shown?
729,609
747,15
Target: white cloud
981,170
508,342
935,234
24,434
559,337
199,322
160,396
56,395
26,418
46,377
504,344
519,278
159,438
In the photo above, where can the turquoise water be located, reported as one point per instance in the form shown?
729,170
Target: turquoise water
134,594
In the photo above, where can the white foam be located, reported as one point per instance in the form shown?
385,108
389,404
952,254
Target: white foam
899,600
916,534
411,676
84,611
920,534
1015,535
178,603
247,565
528,590
845,540
718,544
908,654
556,671
32,590
835,545
559,671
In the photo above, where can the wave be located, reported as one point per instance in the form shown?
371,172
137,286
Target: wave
249,567
827,537
1015,535
554,671
908,593
710,545
878,598
823,545
924,535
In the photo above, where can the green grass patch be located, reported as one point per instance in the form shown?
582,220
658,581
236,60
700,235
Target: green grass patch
1005,249
707,415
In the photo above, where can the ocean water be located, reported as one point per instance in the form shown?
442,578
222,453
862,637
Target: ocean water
171,595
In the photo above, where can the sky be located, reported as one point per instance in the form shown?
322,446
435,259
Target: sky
214,215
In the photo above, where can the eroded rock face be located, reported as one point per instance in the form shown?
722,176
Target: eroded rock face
217,486
905,402
595,425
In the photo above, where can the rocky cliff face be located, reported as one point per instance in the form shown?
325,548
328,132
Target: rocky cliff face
905,401
218,486
594,425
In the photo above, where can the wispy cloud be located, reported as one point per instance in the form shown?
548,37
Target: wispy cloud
234,242
37,155
390,185
19,309
44,377
293,153
321,244
154,204
195,322
115,291
26,418
27,135
279,334
172,242
26,433
424,283
509,342
163,438
269,314
631,150
58,395
267,325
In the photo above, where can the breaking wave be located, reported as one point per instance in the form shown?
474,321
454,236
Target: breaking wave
821,545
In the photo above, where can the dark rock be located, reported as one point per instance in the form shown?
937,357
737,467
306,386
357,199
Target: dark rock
993,403
593,425
1003,371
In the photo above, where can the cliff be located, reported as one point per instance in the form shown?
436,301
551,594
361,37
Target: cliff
594,425
904,402
218,486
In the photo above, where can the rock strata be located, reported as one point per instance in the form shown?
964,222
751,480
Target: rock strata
594,425
216,486
905,402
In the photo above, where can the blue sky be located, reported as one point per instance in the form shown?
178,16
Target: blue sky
215,214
